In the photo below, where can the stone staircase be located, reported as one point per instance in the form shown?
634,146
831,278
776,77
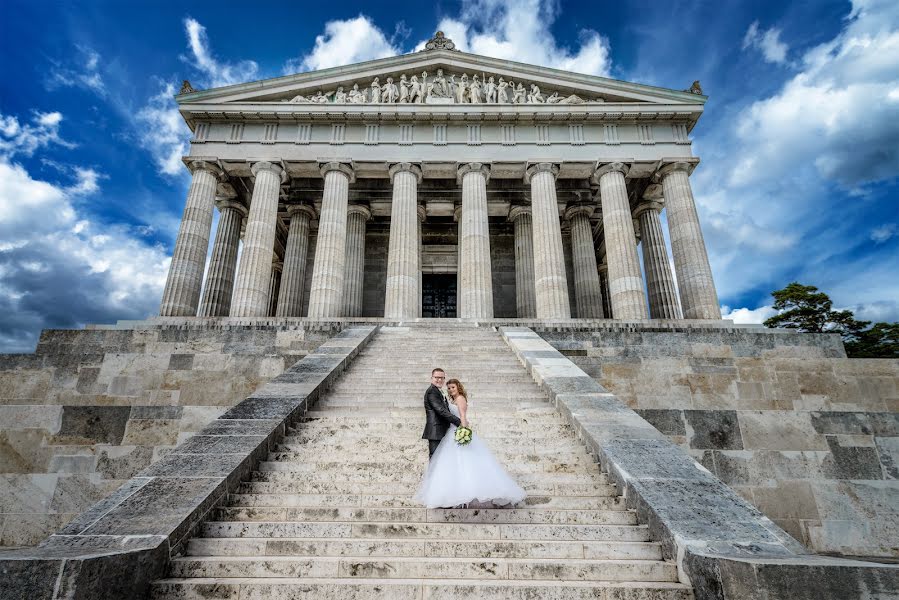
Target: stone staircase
330,513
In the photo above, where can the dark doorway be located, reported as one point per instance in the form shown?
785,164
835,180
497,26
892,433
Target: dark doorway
438,295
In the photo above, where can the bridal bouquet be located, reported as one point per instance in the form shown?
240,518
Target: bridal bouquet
463,435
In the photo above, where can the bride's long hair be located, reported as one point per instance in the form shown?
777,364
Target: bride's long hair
459,387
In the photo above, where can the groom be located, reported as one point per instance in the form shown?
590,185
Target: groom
437,412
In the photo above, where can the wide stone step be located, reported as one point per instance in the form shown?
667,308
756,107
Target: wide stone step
496,402
466,531
365,444
413,589
386,470
494,429
546,411
404,435
547,461
604,550
425,568
610,501
415,477
423,515
298,483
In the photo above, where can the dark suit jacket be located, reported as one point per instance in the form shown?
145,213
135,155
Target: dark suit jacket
437,414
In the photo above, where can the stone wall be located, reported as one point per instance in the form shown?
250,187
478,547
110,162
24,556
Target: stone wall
807,435
90,408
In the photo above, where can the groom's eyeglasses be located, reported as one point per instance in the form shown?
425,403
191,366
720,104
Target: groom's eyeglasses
439,377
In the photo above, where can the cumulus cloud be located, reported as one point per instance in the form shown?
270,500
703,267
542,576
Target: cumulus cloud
346,42
520,30
165,134
82,70
215,73
18,138
747,316
767,42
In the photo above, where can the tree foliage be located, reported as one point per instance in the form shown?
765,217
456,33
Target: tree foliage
805,308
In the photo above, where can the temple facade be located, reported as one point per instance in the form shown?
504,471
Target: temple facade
441,184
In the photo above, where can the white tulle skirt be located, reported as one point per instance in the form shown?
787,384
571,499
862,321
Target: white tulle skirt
464,474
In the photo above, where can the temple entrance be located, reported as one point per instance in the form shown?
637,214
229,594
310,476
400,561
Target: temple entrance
438,295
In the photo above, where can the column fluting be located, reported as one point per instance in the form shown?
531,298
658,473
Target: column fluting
223,264
525,293
663,303
181,295
625,281
253,286
587,291
422,216
326,293
550,280
475,294
403,296
357,216
699,299
293,277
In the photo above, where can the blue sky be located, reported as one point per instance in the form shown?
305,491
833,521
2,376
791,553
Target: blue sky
799,141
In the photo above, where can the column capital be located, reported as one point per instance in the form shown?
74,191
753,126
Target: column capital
457,214
298,209
603,269
670,165
359,209
519,211
339,166
647,205
620,166
205,164
473,167
231,203
543,167
422,213
266,165
277,266
579,209
405,166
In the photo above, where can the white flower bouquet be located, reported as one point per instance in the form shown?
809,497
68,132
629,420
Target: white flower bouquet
463,435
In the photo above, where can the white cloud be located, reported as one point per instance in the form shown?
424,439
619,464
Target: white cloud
165,134
768,42
25,139
345,42
884,232
520,30
744,316
81,70
215,73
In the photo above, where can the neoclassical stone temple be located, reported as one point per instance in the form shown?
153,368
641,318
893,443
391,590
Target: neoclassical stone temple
441,184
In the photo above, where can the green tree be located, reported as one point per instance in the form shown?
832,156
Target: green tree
805,308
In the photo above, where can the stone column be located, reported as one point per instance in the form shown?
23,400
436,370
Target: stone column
275,287
587,291
625,280
422,216
550,281
660,286
253,287
181,295
293,278
606,296
525,294
357,215
691,262
475,294
220,278
326,294
403,295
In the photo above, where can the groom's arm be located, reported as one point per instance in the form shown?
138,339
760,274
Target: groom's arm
435,403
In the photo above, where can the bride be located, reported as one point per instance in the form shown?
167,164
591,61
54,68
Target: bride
459,475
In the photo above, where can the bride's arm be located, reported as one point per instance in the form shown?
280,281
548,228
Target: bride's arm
462,403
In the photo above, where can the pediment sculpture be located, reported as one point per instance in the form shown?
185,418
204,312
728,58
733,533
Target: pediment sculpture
439,89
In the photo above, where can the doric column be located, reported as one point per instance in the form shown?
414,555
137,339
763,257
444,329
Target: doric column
357,215
606,296
422,216
223,264
691,261
254,277
550,281
403,295
182,287
660,286
326,294
525,295
475,294
293,277
625,280
274,288
587,291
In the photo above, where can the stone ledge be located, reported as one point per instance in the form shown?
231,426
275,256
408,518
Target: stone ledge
724,547
116,548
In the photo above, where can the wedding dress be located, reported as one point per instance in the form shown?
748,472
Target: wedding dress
462,474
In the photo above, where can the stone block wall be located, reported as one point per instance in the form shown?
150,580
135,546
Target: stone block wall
90,408
807,435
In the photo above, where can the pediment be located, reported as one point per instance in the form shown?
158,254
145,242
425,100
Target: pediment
437,78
